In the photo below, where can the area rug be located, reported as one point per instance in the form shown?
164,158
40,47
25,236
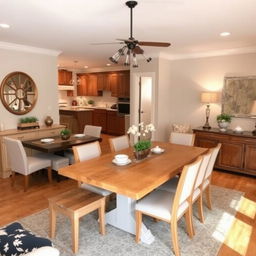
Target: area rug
207,241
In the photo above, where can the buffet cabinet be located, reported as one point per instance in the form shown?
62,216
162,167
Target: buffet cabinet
5,170
237,153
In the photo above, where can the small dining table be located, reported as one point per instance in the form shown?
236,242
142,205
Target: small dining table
58,144
132,181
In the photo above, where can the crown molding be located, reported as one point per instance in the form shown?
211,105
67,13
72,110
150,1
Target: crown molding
27,48
198,55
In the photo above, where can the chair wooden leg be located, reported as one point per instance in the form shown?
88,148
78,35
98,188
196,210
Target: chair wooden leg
52,221
208,197
200,208
138,216
26,182
175,242
49,172
13,179
189,223
75,232
102,217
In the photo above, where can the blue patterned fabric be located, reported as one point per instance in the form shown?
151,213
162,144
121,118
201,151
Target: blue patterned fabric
16,241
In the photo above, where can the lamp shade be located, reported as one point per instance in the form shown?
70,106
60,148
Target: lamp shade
209,97
253,109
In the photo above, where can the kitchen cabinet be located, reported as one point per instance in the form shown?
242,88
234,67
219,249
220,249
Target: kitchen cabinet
237,153
103,81
119,83
88,85
100,118
115,123
64,77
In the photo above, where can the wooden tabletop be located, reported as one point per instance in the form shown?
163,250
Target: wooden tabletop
138,178
58,144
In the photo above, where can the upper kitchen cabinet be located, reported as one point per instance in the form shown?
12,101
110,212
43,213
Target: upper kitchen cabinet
119,83
64,77
103,81
88,85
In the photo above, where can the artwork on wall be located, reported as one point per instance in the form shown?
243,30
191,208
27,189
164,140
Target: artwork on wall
238,95
18,93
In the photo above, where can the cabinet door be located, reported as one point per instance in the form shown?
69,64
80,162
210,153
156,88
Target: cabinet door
64,77
115,123
250,156
123,87
102,81
231,155
92,87
100,118
82,86
113,83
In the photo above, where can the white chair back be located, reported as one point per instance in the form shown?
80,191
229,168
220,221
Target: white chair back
210,166
186,185
119,143
92,130
86,151
16,155
202,170
182,138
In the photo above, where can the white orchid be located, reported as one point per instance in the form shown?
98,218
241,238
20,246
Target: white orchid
141,129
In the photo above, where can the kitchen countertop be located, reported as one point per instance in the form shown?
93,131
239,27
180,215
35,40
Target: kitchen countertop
84,108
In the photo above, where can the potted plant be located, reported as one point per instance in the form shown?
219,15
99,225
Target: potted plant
28,123
91,102
223,121
65,134
143,135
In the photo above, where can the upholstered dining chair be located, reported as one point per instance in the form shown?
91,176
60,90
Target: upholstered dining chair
119,143
182,138
23,164
86,152
170,207
90,130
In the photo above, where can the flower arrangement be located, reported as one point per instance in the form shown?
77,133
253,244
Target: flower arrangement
143,135
65,134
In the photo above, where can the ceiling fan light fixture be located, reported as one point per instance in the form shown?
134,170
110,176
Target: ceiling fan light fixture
127,58
134,59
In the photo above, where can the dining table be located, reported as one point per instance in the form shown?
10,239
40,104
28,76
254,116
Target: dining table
57,144
133,181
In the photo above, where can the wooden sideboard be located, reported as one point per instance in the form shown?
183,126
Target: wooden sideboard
42,132
237,153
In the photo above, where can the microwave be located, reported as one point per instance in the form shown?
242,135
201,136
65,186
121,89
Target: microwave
123,106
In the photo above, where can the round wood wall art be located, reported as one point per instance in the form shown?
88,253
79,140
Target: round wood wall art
18,93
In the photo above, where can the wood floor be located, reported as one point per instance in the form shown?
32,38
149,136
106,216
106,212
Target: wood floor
241,240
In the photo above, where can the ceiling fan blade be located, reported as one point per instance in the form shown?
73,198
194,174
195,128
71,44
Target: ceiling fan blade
106,43
138,50
157,44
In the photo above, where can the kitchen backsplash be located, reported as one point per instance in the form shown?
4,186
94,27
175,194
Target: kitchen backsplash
106,100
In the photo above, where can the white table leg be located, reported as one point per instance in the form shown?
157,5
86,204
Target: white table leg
122,217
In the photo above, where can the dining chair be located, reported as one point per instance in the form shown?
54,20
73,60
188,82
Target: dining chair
23,164
86,152
90,130
182,138
170,207
119,143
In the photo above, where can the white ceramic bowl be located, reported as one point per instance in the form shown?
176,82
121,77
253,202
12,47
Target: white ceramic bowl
157,149
121,158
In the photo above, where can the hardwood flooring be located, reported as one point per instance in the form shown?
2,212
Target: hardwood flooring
241,240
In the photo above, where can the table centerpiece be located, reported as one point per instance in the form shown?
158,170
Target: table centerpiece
142,137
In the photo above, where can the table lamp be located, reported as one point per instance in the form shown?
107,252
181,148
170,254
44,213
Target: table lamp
208,97
253,113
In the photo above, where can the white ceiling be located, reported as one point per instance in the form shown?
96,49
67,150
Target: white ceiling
192,26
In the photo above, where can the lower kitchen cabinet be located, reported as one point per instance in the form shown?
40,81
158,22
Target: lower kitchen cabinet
237,153
100,118
115,123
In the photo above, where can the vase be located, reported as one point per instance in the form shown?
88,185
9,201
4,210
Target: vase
65,136
48,121
139,155
223,126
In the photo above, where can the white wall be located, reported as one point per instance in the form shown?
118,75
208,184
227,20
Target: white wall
190,77
42,69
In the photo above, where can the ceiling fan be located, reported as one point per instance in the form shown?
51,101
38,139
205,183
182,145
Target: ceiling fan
132,45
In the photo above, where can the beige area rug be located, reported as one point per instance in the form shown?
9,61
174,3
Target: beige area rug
207,241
